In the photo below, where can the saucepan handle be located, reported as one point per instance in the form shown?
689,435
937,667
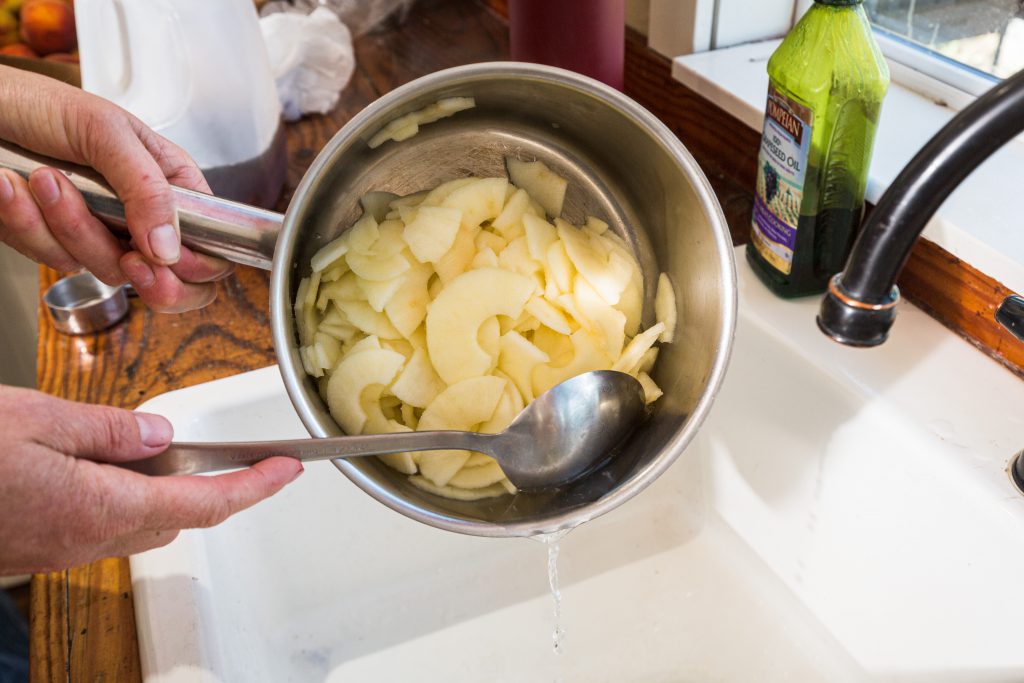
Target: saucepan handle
219,227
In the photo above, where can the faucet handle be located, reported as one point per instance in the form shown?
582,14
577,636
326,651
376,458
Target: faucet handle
1010,315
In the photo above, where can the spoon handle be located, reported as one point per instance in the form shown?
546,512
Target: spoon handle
196,458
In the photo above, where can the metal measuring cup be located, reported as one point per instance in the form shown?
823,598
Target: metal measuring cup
81,304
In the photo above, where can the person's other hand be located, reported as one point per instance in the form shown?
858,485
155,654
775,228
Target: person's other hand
46,218
62,505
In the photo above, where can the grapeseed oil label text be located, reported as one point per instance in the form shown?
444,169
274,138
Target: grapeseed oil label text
781,169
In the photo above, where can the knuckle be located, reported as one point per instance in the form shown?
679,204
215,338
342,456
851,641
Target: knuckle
112,430
18,225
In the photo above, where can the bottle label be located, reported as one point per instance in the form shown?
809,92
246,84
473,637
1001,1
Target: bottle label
781,168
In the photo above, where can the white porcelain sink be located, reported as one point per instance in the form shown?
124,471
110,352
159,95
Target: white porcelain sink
844,516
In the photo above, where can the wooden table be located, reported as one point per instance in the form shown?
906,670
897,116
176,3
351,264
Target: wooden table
82,620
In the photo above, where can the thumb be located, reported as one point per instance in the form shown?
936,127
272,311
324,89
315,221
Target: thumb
105,434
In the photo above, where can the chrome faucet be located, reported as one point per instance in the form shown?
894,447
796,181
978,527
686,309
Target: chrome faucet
860,305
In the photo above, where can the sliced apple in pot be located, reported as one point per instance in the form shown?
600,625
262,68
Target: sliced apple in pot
461,406
455,316
351,377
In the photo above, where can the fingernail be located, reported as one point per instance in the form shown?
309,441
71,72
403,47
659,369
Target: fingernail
296,475
138,271
163,240
45,188
154,430
6,189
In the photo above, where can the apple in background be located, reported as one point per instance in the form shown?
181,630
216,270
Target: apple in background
18,50
48,26
8,27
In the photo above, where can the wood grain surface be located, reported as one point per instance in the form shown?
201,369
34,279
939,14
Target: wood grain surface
82,620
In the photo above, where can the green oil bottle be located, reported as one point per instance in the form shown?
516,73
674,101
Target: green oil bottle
826,84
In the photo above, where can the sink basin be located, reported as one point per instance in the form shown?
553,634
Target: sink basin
844,515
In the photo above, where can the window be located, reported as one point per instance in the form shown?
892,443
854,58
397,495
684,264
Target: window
948,50
986,36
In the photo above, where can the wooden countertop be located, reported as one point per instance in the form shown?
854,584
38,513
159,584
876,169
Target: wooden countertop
82,620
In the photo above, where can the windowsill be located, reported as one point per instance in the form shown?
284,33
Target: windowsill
976,223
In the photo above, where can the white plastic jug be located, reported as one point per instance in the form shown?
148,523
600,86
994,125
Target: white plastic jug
197,72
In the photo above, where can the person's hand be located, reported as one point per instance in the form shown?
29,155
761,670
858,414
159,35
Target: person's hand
46,218
61,505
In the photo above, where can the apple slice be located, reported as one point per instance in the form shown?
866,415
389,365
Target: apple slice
646,362
368,320
378,424
328,350
351,377
485,258
540,182
461,406
477,477
607,270
588,354
596,225
558,269
455,316
516,257
508,408
486,239
457,259
330,252
637,347
461,494
665,308
540,235
335,271
346,288
509,222
432,232
407,307
437,196
363,234
558,347
479,201
419,384
378,268
379,293
631,304
549,315
604,319
652,392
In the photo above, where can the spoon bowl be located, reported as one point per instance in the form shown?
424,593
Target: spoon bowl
564,433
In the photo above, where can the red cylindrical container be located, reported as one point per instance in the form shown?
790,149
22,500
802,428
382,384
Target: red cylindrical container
586,36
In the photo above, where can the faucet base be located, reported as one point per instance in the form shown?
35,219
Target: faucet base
852,322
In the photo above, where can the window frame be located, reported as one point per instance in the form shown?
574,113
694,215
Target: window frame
678,27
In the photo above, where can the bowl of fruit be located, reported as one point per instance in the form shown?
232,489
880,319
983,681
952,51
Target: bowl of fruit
38,29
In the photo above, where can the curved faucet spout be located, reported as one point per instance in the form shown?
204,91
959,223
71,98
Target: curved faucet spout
859,307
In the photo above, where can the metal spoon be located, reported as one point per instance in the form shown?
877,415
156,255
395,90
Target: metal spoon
562,435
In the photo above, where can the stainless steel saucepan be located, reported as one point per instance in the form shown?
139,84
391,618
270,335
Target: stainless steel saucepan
623,166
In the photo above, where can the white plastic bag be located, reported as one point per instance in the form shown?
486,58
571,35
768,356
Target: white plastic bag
359,15
311,57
